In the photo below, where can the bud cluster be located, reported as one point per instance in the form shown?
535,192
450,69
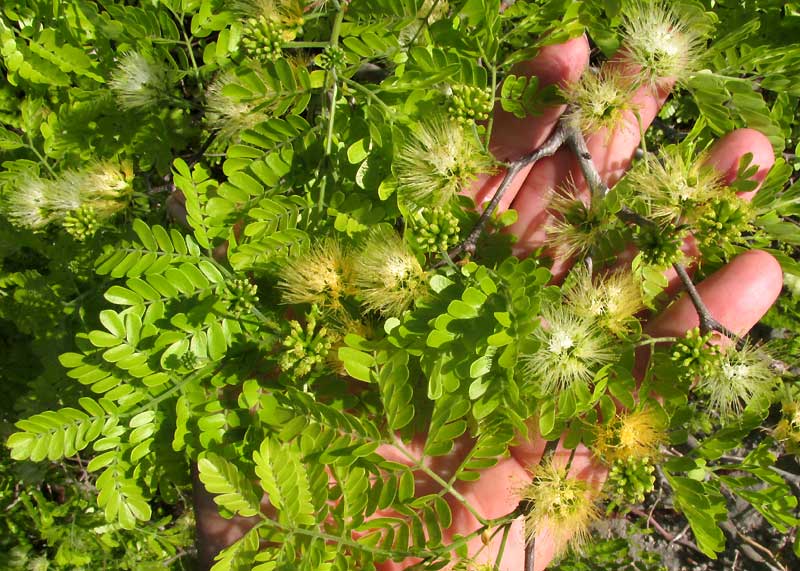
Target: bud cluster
241,295
267,25
435,230
723,222
660,247
693,353
306,349
468,104
332,57
82,223
263,38
629,480
787,430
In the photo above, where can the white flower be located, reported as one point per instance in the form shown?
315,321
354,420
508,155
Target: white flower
598,101
612,299
139,83
438,160
571,349
230,116
673,184
319,276
740,377
662,42
26,205
388,276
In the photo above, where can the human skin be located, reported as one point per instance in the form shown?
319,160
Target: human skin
737,295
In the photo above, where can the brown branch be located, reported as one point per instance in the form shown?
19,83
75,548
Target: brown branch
548,148
577,143
663,532
707,321
530,548
747,550
599,190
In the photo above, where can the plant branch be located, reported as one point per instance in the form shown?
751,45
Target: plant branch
663,532
599,189
747,550
577,143
530,554
707,321
548,148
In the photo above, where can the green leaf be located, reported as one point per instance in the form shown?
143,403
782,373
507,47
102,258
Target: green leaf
234,490
358,364
704,506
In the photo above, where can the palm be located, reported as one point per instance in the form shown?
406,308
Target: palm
738,295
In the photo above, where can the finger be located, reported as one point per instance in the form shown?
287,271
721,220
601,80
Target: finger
612,155
725,156
513,137
727,153
558,64
738,295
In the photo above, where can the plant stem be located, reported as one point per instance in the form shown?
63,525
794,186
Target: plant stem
169,392
599,190
548,148
577,143
419,464
298,45
41,158
188,42
371,96
501,551
530,554
334,41
654,340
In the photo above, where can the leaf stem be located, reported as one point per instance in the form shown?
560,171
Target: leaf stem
419,464
42,159
372,97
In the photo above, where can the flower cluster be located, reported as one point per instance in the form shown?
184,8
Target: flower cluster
87,196
636,434
387,274
612,300
571,349
140,83
738,378
228,115
599,100
576,227
660,42
383,273
561,506
439,159
673,185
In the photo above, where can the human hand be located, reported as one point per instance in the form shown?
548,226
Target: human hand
737,295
